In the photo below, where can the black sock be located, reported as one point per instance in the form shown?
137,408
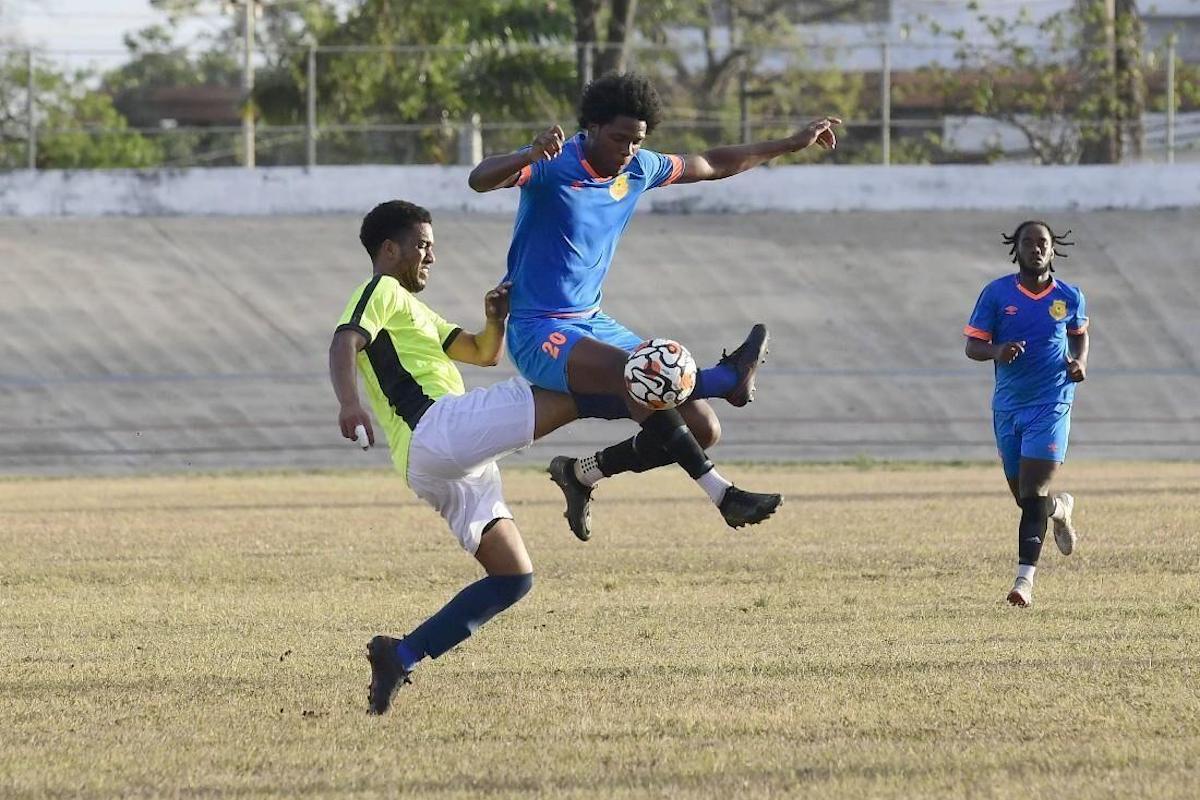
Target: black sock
636,454
668,431
1035,512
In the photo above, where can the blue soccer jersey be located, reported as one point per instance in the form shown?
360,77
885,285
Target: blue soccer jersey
1008,312
568,224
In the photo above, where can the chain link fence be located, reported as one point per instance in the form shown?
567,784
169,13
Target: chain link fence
902,102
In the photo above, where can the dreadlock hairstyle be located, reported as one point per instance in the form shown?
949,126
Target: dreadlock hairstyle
620,95
1056,240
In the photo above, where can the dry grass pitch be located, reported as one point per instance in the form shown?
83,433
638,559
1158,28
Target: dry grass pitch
203,636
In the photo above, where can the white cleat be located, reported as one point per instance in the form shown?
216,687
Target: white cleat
1021,595
1064,529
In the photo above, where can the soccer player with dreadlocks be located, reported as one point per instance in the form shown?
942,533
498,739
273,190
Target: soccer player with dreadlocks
1034,327
577,196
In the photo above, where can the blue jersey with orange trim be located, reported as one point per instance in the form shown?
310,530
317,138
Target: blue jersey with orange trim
1008,312
568,224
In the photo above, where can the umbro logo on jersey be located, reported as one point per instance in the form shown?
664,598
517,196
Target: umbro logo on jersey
1011,310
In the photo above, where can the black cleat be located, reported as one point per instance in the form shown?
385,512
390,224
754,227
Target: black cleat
579,496
387,673
746,359
740,507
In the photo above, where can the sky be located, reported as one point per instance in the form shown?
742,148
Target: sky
94,26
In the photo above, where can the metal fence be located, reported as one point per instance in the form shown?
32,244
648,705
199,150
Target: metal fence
901,102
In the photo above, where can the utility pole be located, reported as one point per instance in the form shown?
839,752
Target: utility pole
31,112
1114,124
251,6
250,10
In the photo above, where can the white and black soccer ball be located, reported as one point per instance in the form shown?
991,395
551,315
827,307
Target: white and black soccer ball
660,374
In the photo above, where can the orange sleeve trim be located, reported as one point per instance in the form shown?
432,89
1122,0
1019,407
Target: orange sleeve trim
676,170
976,333
1081,329
524,175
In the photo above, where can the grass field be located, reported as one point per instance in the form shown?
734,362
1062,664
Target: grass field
203,636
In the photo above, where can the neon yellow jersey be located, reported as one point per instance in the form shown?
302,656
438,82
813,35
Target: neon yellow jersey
404,364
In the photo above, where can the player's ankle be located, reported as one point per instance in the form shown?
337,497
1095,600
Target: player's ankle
587,470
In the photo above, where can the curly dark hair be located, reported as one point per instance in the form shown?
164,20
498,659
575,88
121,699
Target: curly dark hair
389,220
1056,240
620,95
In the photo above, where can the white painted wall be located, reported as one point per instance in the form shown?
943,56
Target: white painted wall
352,190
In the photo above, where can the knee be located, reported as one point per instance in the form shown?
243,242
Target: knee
511,588
707,430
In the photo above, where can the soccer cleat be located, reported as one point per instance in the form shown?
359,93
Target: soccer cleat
387,673
579,496
740,507
1064,529
1021,594
746,360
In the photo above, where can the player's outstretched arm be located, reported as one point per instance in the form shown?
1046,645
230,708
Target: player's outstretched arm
483,349
722,162
342,353
500,172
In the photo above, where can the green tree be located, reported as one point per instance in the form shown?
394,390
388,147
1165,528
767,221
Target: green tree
78,126
1077,96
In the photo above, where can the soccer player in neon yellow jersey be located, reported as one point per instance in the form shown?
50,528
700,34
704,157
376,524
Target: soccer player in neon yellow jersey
445,441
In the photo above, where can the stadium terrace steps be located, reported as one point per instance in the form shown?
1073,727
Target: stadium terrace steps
143,344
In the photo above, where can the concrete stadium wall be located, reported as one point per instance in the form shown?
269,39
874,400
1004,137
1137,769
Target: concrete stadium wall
179,344
344,190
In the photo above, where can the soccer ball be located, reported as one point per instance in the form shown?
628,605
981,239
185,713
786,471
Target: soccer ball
660,374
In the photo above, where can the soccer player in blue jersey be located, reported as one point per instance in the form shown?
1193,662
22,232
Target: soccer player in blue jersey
577,196
1034,327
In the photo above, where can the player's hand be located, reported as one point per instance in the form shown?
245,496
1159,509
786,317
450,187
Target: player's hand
350,417
819,131
1008,352
1076,370
495,302
547,145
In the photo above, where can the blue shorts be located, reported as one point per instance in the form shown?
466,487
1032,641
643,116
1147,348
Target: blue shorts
1032,432
540,346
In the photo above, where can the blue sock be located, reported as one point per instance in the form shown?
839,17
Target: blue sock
715,381
463,615
409,657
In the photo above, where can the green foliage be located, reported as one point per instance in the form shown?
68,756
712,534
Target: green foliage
78,127
1069,96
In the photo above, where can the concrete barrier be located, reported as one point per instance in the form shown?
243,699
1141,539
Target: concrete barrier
231,191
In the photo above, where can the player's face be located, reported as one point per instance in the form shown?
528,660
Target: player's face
413,256
1035,250
614,144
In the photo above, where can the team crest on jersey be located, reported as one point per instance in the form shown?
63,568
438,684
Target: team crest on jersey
619,187
1058,310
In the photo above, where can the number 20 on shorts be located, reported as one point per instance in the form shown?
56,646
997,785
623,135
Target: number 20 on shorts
553,344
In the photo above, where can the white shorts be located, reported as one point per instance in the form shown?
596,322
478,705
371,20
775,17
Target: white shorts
454,449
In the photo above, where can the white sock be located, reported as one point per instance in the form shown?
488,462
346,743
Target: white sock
1026,571
712,483
587,470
